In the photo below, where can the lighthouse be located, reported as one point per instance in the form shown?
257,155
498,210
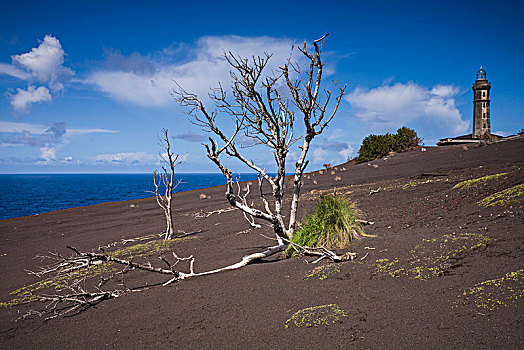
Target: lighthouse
481,134
481,117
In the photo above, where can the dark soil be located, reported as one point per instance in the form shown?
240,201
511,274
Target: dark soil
432,244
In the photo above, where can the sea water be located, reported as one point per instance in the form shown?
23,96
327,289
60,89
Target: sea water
29,194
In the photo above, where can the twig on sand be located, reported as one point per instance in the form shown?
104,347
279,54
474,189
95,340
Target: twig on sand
372,191
205,214
365,222
321,252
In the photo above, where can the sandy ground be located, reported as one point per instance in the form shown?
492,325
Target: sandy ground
442,271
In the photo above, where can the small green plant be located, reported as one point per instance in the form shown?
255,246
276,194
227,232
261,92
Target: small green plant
475,182
433,257
333,225
316,316
495,293
322,272
378,146
504,198
385,267
409,185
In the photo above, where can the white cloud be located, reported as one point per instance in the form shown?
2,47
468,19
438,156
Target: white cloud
70,160
335,153
391,106
21,127
331,151
41,128
346,153
24,98
148,81
90,131
320,156
164,159
48,155
191,137
127,158
45,63
444,90
152,90
39,135
13,71
292,156
47,139
336,134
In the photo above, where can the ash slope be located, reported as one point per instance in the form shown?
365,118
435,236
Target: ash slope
412,286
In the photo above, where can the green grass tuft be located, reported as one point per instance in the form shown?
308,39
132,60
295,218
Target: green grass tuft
333,225
504,198
316,316
475,182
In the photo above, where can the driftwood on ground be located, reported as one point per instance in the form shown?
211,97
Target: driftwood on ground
75,296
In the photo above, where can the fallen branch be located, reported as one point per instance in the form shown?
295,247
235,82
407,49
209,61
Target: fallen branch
371,191
364,222
79,298
245,260
86,259
205,214
322,253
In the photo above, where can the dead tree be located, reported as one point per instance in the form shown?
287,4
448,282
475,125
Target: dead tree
167,181
266,110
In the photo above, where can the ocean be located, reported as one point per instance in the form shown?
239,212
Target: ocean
29,194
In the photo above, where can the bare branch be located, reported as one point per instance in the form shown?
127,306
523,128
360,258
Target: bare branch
167,179
259,107
322,253
250,219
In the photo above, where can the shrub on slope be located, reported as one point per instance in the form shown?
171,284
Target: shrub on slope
378,146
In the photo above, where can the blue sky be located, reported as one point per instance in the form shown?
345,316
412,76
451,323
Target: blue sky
85,85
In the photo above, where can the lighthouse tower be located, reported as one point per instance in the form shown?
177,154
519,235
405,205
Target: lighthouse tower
481,119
